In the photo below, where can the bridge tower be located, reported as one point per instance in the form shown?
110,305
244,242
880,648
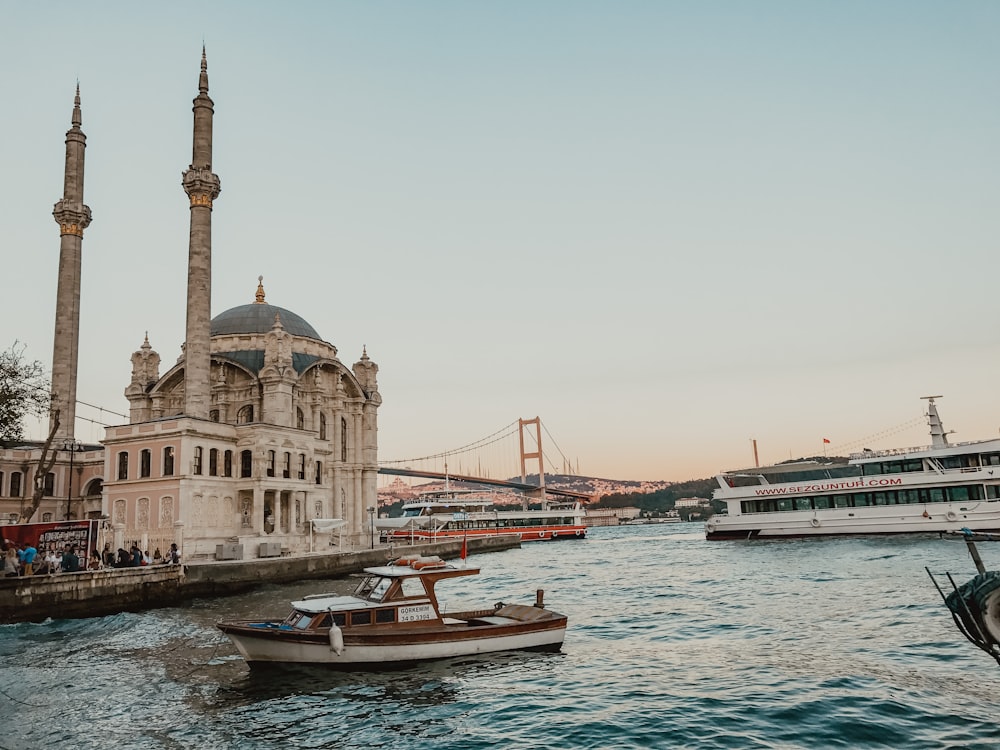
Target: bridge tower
522,423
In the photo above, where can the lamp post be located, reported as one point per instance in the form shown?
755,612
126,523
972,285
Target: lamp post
371,523
74,447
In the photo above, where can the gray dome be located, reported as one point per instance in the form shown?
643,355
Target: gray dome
258,317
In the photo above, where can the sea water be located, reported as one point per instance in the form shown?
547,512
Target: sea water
673,641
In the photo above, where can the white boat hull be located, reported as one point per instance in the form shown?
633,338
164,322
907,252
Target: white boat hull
885,519
273,650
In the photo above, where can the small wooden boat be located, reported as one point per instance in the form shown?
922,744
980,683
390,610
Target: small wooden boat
393,618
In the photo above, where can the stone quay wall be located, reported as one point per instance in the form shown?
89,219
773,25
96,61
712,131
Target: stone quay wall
104,592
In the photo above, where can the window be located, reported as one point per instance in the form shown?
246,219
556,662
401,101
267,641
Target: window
244,415
246,463
270,463
343,439
227,464
385,615
319,472
1,484
15,484
300,419
213,462
361,618
322,426
50,484
144,462
286,472
168,461
302,466
214,415
123,465
196,467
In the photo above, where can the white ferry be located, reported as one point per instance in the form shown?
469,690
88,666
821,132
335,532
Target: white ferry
454,514
937,488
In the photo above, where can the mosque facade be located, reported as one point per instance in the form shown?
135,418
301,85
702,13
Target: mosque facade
258,441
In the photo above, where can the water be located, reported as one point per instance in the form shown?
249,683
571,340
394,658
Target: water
673,642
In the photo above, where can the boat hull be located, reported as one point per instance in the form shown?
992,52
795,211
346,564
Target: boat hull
889,519
527,535
260,645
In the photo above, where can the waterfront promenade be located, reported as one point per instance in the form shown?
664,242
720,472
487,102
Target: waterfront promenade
109,591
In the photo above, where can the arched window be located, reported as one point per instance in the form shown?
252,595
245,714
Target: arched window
15,484
244,415
270,463
50,484
322,426
246,463
123,465
145,459
343,439
286,471
168,461
1,484
300,419
196,467
213,462
302,466
214,415
227,464
319,472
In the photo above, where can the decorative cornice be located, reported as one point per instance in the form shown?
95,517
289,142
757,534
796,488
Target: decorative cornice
202,186
72,217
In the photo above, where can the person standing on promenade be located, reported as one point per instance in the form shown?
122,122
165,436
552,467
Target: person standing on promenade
28,560
70,561
174,555
10,564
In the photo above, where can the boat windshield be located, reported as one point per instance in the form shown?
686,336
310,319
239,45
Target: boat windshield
373,588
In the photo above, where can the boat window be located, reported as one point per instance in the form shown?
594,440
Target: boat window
365,587
364,617
991,459
871,469
992,491
937,495
412,587
909,496
823,501
842,501
958,494
337,617
385,615
880,498
303,622
380,589
784,504
803,503
861,499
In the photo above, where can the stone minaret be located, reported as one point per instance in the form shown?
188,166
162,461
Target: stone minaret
73,217
202,186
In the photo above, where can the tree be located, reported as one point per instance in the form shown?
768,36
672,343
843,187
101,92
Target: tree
23,392
43,467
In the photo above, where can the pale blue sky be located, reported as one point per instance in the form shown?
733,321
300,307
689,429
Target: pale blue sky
666,228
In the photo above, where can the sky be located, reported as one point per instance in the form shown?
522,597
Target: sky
668,229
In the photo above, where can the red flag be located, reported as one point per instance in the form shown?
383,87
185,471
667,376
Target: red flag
825,440
465,547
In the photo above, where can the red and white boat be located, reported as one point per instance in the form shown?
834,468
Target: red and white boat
454,514
394,618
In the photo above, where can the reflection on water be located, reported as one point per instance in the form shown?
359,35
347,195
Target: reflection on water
672,641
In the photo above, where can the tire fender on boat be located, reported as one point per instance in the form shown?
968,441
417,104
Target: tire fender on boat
336,639
951,516
541,534
814,521
578,532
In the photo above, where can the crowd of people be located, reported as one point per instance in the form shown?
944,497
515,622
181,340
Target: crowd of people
25,560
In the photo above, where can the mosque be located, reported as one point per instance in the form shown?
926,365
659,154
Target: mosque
255,439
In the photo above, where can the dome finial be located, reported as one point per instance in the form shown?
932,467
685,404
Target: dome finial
203,77
259,300
77,118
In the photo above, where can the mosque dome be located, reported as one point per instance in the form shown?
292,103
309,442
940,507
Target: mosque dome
258,317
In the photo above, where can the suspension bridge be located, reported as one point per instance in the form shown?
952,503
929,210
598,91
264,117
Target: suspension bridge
492,461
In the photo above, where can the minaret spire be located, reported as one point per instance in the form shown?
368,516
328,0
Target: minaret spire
73,217
202,186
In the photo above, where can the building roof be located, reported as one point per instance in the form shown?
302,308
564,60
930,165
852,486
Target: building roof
258,317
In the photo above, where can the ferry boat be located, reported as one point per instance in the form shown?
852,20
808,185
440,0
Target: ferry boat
393,618
458,514
937,488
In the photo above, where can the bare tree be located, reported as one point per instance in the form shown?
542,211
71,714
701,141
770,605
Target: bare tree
42,468
23,392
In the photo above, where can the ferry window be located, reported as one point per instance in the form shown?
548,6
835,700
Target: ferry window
842,501
784,505
872,469
385,615
937,495
975,492
909,496
958,494
991,459
361,618
952,462
823,501
879,498
747,506
914,465
803,503
992,492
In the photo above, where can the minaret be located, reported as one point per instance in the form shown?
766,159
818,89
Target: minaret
73,217
202,186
